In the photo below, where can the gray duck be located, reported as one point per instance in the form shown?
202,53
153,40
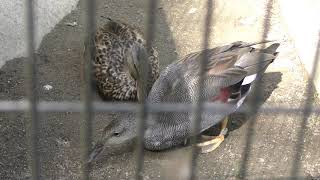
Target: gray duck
113,42
229,74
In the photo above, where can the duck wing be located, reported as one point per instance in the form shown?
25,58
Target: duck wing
227,68
238,87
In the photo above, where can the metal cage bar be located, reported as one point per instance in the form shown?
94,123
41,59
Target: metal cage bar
86,125
32,94
306,113
143,112
256,94
78,106
198,108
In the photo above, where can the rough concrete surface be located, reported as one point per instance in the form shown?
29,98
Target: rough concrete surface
13,24
274,149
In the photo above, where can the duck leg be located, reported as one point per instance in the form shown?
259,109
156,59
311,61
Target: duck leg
210,143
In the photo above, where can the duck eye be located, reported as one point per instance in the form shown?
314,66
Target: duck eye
116,133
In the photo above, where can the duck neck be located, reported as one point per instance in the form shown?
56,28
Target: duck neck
144,82
143,89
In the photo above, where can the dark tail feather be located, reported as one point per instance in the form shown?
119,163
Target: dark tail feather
272,48
256,43
251,60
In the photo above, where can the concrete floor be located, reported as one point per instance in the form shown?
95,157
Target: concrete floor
274,137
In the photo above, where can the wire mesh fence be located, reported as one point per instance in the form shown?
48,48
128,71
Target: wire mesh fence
88,107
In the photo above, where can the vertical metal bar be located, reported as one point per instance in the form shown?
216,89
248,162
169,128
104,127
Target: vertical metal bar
86,128
256,94
197,111
306,113
34,137
150,20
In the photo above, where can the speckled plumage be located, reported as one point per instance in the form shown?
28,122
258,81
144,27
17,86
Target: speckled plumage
112,41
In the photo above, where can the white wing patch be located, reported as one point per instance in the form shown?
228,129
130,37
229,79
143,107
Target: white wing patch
249,79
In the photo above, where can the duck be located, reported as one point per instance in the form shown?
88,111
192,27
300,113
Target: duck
113,42
230,72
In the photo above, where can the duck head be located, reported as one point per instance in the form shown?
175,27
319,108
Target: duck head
120,131
123,126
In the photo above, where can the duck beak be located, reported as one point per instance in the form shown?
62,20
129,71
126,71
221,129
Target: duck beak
98,148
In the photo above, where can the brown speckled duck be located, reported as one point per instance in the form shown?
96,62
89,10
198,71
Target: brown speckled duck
113,45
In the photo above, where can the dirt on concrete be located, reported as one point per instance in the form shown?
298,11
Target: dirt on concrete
274,147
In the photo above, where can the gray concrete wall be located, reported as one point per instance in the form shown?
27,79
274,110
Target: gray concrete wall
303,24
13,21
